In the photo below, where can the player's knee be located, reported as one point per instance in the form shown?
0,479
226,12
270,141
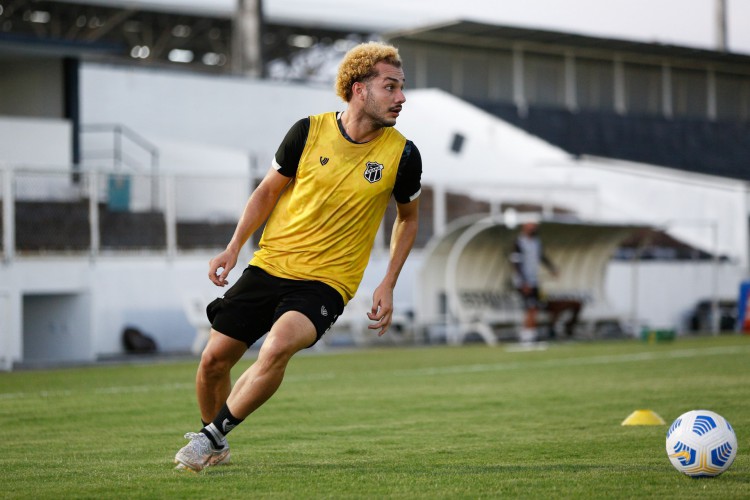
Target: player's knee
275,350
213,366
279,348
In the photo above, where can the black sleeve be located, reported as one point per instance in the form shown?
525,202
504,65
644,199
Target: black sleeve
516,257
289,153
409,176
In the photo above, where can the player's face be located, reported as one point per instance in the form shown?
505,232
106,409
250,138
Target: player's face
385,95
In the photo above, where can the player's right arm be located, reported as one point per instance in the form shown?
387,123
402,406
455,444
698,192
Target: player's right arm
257,209
262,201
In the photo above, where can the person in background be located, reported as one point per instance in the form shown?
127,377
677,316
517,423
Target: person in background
527,258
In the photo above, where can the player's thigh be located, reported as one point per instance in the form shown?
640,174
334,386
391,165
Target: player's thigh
292,332
222,350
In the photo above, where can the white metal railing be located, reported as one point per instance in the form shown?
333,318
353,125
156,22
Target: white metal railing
8,233
93,211
6,360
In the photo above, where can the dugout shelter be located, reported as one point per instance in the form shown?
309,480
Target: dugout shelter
464,285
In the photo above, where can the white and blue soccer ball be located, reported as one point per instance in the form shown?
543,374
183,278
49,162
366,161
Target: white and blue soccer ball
701,443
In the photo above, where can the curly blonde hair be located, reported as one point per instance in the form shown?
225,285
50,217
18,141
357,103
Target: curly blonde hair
359,65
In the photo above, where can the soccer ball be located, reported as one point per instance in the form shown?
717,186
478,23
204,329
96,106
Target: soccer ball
701,443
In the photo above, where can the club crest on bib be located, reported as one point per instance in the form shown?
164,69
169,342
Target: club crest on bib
373,172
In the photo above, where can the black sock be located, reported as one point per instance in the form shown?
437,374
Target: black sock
217,430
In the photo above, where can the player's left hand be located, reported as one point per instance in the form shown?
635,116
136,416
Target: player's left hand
382,309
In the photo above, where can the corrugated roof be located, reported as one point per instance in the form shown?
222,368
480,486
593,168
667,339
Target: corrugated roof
490,36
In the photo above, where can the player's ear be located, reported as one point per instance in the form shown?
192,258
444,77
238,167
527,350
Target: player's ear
358,90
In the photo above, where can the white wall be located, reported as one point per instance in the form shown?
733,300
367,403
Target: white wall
146,293
226,112
35,142
220,126
663,294
84,304
43,277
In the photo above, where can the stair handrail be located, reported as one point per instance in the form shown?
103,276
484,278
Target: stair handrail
120,159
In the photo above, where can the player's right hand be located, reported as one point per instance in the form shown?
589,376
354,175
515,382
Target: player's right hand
219,267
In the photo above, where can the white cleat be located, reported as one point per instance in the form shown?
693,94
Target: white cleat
199,453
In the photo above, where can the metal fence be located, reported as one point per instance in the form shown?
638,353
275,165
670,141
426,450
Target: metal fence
90,212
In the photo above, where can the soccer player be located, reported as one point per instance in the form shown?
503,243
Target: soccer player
527,257
322,201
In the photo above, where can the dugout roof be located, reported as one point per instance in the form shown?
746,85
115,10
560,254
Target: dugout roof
465,277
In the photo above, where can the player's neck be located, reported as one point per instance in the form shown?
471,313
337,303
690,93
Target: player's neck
359,128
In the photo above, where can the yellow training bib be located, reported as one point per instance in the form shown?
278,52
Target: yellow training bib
324,224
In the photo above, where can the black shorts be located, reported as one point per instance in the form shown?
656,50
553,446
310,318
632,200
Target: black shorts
253,304
532,299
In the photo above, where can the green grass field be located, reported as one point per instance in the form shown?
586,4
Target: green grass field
428,422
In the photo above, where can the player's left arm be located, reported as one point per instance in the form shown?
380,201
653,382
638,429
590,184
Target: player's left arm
402,240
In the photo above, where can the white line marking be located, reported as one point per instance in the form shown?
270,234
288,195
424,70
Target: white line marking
580,361
133,389
417,372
